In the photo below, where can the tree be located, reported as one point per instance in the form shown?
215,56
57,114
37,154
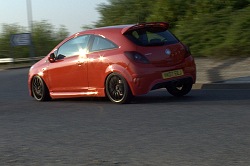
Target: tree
123,12
169,10
45,37
210,27
61,33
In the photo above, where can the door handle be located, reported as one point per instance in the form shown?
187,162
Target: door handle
79,63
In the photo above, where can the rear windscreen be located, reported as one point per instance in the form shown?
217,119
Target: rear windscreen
151,37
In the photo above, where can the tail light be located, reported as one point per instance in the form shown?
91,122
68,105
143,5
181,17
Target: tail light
136,57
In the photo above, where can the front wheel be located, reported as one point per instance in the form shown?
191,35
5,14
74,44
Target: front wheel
117,89
39,89
179,89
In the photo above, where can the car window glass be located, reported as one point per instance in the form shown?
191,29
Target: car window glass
101,43
151,37
73,47
135,34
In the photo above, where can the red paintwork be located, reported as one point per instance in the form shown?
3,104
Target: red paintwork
79,76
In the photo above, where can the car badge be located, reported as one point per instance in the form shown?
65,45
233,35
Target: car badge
168,52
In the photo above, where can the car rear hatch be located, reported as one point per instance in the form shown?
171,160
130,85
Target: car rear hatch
156,43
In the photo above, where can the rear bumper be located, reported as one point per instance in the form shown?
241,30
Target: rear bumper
143,83
168,83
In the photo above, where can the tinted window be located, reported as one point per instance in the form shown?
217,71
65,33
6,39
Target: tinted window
101,43
151,37
73,47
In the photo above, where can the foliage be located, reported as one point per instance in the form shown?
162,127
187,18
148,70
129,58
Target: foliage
5,50
217,33
44,38
214,28
124,12
217,28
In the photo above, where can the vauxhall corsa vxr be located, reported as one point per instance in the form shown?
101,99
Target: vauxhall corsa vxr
117,61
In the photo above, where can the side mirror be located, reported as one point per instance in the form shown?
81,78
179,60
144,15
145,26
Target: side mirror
52,58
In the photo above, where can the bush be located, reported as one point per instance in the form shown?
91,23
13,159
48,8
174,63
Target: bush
221,34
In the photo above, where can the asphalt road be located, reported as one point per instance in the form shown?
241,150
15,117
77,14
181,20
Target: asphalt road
205,128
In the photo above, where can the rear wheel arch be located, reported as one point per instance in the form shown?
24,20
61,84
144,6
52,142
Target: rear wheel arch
115,68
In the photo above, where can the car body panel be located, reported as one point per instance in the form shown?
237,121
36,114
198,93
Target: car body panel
158,56
73,70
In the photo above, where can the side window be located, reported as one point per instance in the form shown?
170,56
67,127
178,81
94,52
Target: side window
101,43
73,47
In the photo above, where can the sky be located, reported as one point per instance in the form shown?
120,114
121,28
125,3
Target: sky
72,13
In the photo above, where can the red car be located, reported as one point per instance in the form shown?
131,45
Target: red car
117,61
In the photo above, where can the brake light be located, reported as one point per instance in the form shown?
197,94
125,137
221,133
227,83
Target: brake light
136,57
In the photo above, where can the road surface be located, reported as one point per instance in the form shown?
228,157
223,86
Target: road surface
206,127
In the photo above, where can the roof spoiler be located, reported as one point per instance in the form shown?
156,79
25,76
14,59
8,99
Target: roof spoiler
144,25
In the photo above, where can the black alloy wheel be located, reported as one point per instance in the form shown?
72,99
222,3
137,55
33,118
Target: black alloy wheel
117,89
39,89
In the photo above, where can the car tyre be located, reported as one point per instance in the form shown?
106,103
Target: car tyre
39,89
179,89
117,89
